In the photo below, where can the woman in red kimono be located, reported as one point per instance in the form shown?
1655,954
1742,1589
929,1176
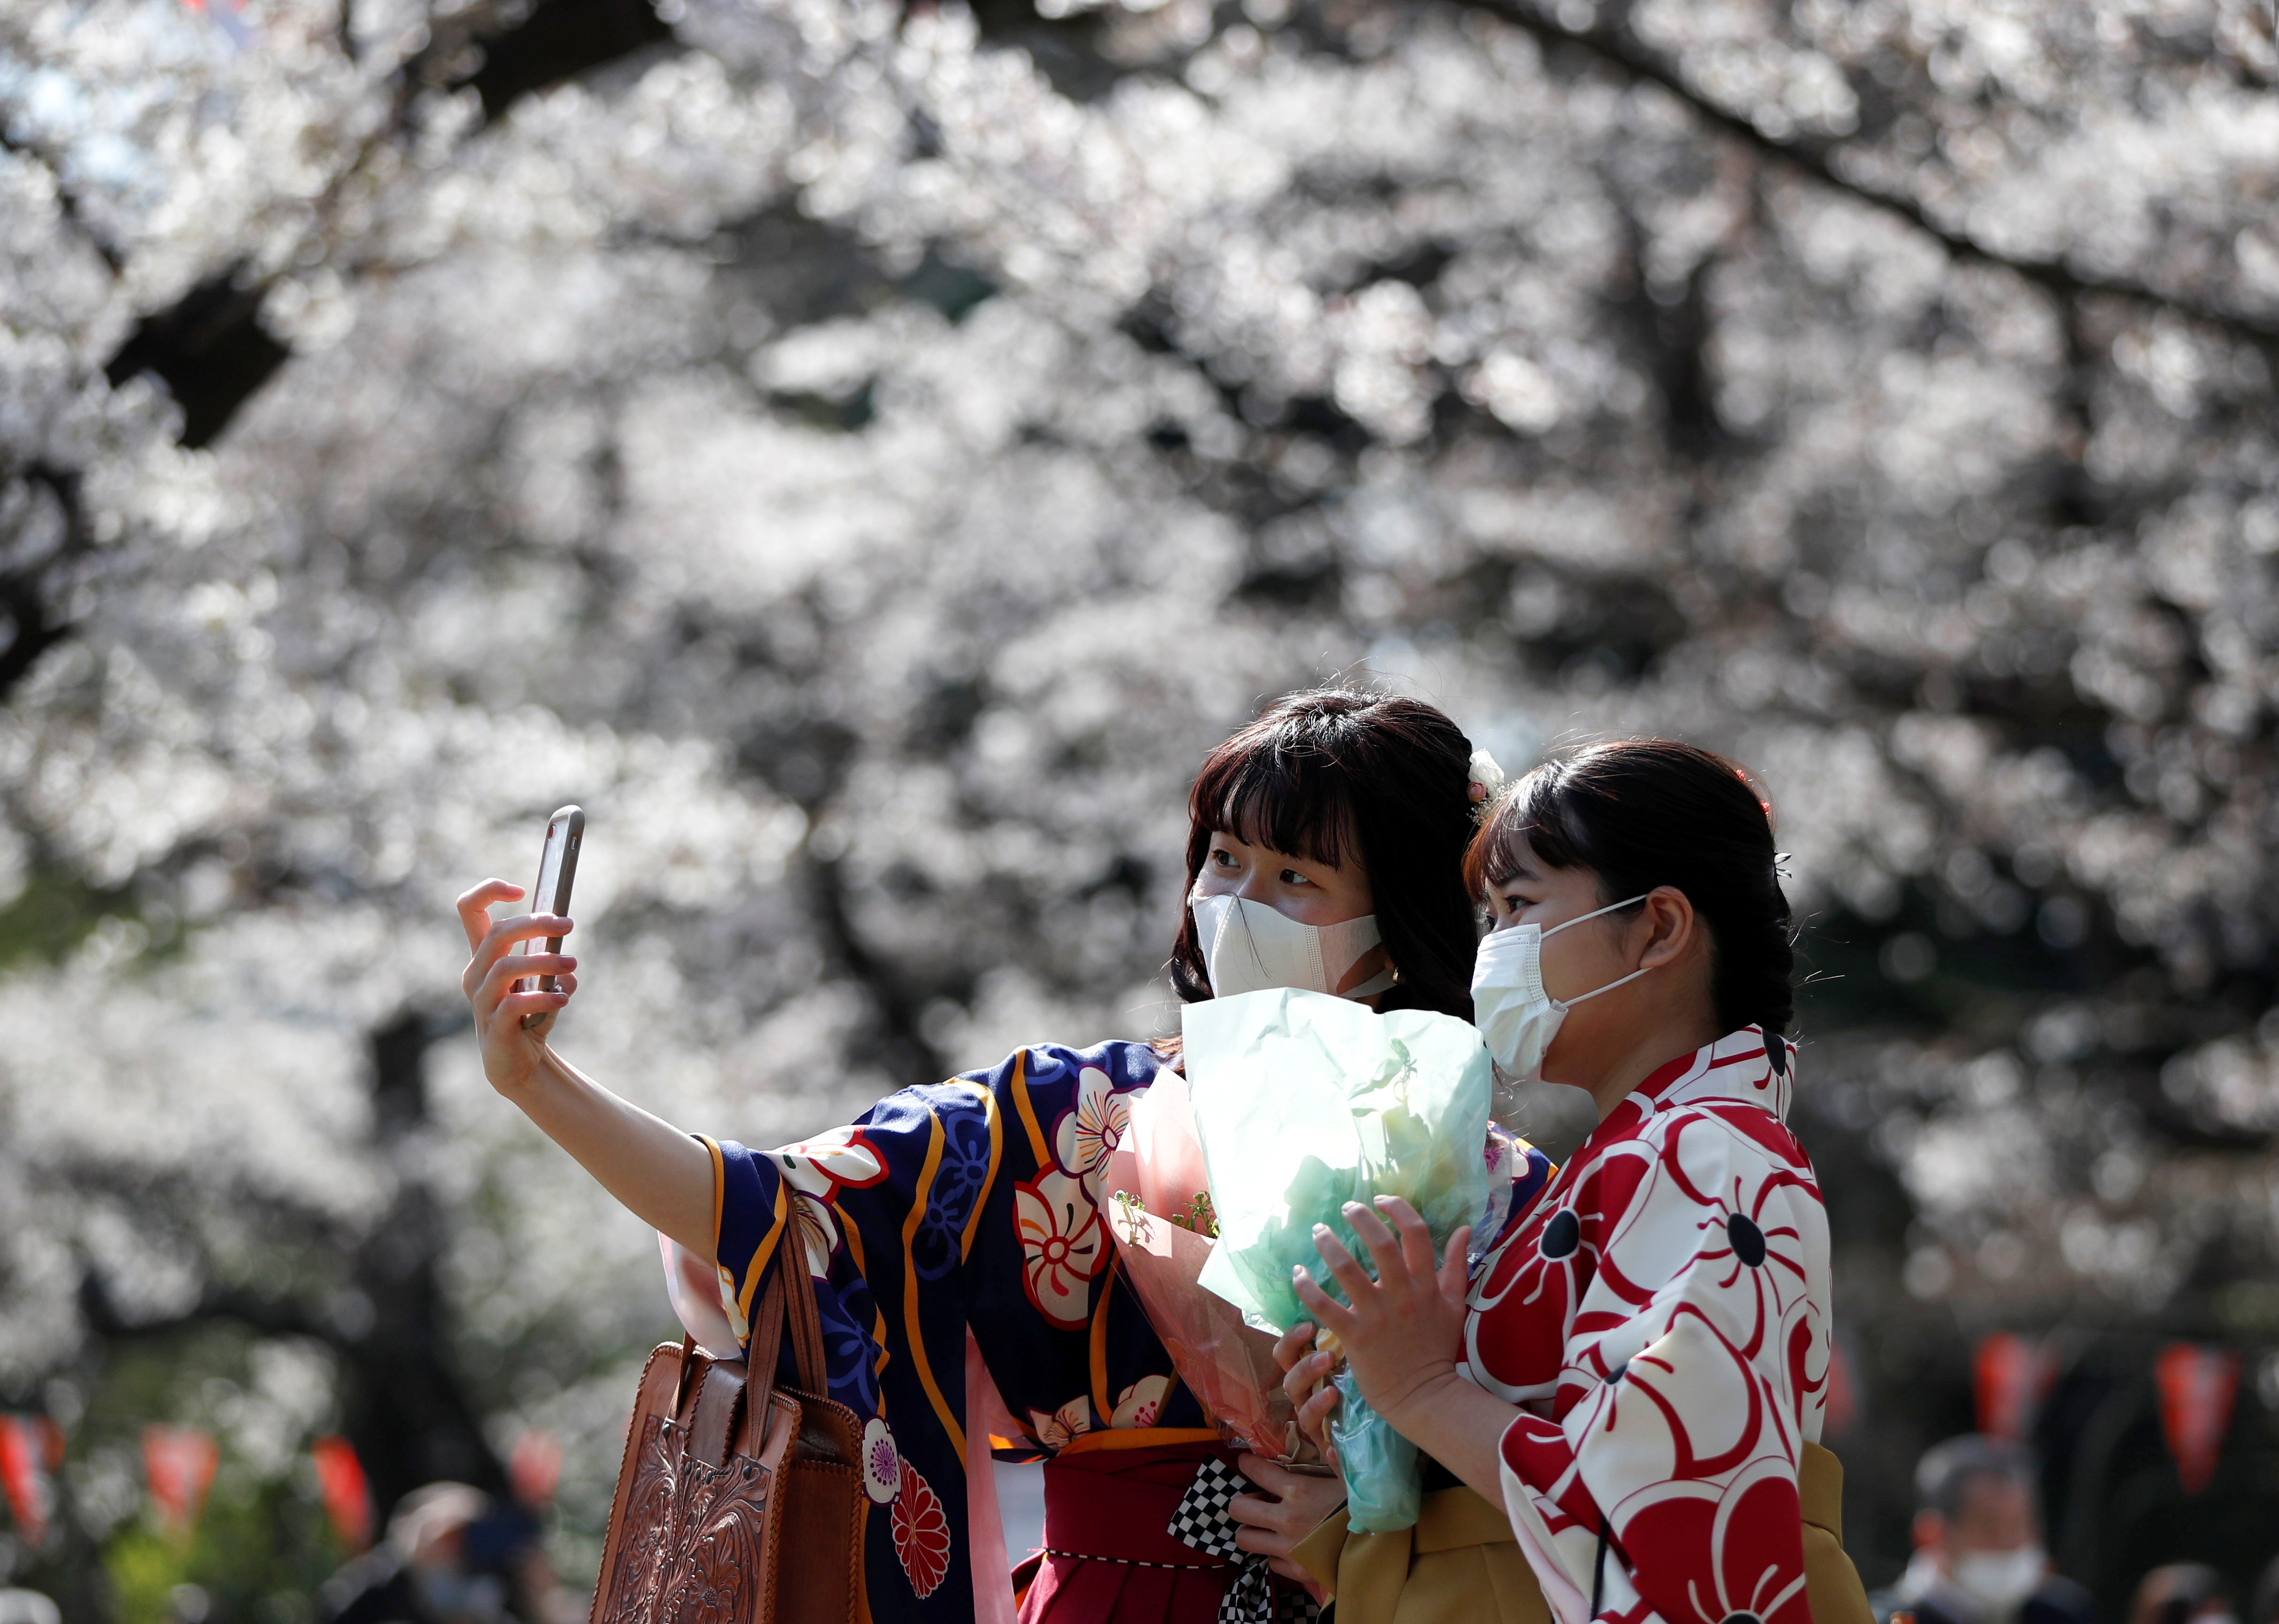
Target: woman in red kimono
953,1235
1635,1367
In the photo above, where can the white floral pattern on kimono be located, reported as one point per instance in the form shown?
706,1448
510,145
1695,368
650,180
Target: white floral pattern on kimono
1661,1318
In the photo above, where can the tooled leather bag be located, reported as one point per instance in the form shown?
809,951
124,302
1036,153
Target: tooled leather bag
738,1503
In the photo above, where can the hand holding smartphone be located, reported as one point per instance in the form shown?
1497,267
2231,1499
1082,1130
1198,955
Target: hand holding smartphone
558,867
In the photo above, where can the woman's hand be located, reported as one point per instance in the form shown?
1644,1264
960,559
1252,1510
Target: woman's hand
662,1175
1306,1373
1274,1527
1404,1329
511,1053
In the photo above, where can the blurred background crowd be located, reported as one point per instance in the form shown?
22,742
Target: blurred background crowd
865,450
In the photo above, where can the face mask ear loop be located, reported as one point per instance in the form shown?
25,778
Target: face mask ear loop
1586,918
1611,985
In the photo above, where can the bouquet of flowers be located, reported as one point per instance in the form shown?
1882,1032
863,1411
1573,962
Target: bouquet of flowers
1159,1210
1303,1102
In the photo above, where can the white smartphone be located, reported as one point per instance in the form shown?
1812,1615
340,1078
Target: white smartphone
558,868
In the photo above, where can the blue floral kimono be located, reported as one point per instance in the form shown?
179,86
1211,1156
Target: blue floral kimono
970,1203
974,1203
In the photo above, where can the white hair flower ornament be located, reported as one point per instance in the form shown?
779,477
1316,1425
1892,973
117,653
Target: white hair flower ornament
1486,781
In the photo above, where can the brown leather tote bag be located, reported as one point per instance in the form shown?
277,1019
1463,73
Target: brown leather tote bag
739,1502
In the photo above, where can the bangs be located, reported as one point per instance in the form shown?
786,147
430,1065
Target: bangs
1293,801
1534,811
1354,779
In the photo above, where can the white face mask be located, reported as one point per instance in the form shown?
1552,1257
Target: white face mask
1248,947
1515,1014
2000,1579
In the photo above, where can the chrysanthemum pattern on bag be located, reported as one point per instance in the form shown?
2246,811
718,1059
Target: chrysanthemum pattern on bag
1661,1318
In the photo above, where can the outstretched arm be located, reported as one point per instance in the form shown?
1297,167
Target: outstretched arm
662,1175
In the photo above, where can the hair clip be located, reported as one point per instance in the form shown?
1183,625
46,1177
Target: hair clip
1780,865
1486,782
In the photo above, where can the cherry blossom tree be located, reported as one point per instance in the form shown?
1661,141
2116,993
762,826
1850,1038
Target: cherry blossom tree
864,453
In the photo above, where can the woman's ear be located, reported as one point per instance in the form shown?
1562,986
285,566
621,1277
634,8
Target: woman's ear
1669,916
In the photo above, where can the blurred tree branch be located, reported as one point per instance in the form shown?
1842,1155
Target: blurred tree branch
210,346
896,1043
1613,42
559,40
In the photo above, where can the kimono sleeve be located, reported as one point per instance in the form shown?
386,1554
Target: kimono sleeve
1692,1374
812,1202
969,1204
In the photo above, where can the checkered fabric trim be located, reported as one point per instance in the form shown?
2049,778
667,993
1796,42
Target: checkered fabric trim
1201,1521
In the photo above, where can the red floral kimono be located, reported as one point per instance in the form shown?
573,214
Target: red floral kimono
1661,1317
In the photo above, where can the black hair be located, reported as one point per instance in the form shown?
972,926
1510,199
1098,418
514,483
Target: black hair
1338,774
1642,813
2178,1591
1944,1475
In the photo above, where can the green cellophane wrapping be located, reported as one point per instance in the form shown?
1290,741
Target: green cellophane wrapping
1304,1102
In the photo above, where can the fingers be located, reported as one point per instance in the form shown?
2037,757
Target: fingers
1293,1344
1383,1246
1274,1479
1344,1268
529,1010
1296,1574
1252,1537
474,906
1455,1271
1254,1512
1300,1381
1269,1527
542,1022
499,940
1325,1309
1416,1236
518,1006
497,983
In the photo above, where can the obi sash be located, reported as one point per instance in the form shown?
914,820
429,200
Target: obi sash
1109,1556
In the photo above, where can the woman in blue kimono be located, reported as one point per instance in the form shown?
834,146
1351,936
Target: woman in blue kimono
954,1235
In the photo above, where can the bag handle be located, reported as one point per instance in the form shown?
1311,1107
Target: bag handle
807,1335
681,1382
789,1306
767,1333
